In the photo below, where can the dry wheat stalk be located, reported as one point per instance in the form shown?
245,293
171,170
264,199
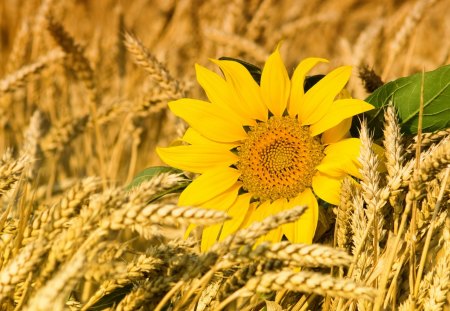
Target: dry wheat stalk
362,250
427,139
52,296
258,21
365,40
433,161
31,145
398,172
374,196
239,43
16,79
392,142
19,49
136,270
163,214
435,284
10,170
425,212
154,68
17,270
402,35
244,273
344,214
233,16
249,235
147,191
141,293
176,35
300,255
39,22
50,222
310,282
61,135
75,55
297,25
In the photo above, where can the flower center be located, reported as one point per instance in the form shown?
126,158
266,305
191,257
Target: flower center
278,159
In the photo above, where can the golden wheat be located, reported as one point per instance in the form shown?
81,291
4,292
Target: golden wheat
84,88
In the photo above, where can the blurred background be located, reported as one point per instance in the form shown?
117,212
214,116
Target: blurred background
96,104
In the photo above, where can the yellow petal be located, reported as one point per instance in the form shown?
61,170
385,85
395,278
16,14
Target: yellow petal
326,187
339,166
297,82
221,202
302,231
218,232
339,111
260,213
246,91
193,137
224,200
208,185
275,84
189,230
219,92
349,145
318,100
238,212
341,158
210,235
337,132
209,120
196,158
265,210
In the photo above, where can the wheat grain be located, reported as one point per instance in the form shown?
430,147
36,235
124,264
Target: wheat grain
249,235
427,139
374,196
258,21
291,28
17,270
243,274
10,170
138,297
310,282
154,68
31,145
60,136
136,270
237,42
53,294
361,249
19,49
168,214
51,221
75,55
344,212
297,254
410,22
16,79
433,161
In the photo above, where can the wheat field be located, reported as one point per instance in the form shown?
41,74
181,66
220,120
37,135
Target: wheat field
84,88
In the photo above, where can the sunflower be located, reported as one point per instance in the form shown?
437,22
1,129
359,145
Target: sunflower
263,148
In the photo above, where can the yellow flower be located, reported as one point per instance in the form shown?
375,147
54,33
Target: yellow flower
261,149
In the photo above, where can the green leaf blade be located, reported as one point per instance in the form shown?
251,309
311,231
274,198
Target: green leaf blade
405,96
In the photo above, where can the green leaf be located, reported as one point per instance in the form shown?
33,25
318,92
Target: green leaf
405,96
112,298
151,172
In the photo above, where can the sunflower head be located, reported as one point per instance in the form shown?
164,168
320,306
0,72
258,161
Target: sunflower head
262,148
